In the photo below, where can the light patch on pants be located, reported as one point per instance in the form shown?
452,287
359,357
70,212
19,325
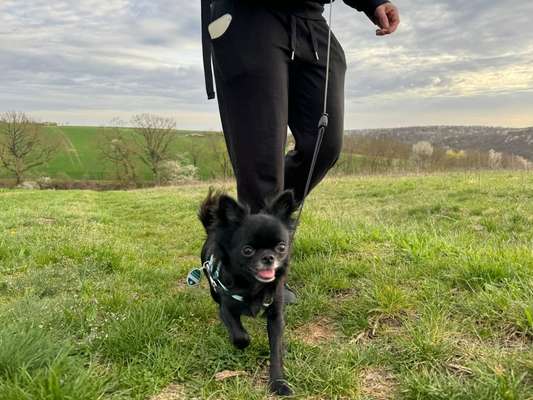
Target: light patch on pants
219,26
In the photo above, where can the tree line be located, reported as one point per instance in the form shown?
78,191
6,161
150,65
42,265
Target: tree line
367,155
148,145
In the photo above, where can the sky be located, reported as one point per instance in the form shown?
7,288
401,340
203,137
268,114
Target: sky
86,62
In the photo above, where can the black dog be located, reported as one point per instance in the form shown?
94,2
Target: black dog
246,258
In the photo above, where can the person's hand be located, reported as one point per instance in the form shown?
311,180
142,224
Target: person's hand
387,18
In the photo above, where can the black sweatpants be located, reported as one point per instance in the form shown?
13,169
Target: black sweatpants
270,67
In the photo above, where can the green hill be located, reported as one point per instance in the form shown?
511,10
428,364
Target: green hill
82,160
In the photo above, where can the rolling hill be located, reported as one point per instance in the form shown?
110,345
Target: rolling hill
507,140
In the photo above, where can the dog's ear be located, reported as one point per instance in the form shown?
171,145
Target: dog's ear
283,205
207,212
230,211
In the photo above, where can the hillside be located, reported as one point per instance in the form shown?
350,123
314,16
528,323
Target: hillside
507,140
82,159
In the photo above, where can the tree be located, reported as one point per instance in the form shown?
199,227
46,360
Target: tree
117,147
422,152
495,159
523,163
220,155
23,144
156,134
177,171
195,147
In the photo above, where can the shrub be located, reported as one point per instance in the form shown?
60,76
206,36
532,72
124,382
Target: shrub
174,172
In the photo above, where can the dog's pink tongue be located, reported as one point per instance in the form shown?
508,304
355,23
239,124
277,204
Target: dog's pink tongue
266,273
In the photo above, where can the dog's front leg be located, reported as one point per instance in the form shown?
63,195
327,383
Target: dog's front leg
238,335
275,326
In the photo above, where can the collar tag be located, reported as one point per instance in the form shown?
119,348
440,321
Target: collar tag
194,277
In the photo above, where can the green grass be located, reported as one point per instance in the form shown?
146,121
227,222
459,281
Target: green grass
425,285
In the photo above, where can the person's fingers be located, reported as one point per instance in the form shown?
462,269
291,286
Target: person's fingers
387,18
382,19
394,19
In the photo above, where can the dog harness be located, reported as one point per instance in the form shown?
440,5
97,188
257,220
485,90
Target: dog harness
212,270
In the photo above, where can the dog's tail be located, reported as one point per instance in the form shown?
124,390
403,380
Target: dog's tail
208,208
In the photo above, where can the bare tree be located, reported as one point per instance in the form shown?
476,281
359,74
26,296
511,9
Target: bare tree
117,147
495,159
422,152
23,144
156,134
220,155
195,147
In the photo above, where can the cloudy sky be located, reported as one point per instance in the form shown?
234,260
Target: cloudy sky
88,61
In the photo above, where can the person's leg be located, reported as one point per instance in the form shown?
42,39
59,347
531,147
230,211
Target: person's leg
251,74
306,102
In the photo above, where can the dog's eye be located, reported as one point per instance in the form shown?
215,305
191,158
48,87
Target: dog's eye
281,247
248,251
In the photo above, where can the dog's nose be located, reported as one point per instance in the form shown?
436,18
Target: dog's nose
268,259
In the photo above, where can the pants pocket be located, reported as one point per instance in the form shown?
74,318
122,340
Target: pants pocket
221,18
228,31
219,26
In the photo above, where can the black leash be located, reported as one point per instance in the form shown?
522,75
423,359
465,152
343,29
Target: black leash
322,125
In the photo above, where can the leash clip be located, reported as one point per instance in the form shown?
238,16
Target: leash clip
323,122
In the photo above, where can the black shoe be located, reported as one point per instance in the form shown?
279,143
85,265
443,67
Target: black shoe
289,297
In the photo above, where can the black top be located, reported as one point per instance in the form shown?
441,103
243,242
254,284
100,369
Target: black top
367,6
313,8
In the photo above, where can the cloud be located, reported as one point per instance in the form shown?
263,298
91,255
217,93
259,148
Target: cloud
449,52
84,61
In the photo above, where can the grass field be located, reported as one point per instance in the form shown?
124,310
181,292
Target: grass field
409,288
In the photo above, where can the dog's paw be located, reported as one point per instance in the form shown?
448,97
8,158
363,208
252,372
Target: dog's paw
281,387
241,341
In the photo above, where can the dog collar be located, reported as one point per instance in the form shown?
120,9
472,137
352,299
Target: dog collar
212,270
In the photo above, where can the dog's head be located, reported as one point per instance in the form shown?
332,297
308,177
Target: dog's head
255,246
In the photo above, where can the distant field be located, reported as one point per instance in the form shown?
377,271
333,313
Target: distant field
409,288
84,161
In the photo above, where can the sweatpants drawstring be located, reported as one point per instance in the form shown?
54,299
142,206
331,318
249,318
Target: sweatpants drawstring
313,39
293,36
312,33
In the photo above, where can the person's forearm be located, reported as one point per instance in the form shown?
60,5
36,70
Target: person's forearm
367,6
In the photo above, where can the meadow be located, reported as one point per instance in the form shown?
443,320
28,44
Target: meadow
409,287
